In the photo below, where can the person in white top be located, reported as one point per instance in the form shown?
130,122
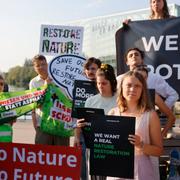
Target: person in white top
106,84
41,67
133,58
105,99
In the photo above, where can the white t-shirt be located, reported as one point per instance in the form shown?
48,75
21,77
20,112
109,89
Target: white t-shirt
35,83
98,101
161,87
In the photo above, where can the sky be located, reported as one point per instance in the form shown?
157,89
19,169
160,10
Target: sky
21,21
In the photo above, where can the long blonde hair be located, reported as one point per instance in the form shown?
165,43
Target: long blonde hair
144,103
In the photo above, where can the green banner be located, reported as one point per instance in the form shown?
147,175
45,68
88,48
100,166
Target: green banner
56,116
15,104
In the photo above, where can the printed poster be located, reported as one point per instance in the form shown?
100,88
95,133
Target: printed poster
30,161
111,153
89,115
15,104
81,92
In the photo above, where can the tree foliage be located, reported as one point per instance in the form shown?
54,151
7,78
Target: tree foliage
20,76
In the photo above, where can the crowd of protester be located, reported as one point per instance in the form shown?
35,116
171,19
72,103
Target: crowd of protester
124,95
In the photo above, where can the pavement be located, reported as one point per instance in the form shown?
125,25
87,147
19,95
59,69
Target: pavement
23,132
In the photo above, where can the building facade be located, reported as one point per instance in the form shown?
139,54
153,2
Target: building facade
99,32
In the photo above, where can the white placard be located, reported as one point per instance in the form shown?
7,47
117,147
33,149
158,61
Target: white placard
65,69
59,40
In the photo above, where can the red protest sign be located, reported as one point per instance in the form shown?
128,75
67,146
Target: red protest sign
28,161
